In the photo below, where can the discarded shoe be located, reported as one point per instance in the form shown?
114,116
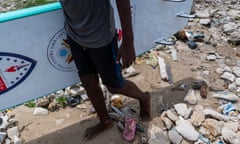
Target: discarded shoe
129,129
74,100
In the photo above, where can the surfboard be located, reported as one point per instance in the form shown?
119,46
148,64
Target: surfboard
34,55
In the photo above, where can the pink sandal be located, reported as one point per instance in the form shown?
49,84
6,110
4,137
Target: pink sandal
129,129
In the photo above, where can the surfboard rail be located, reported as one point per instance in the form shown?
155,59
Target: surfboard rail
16,14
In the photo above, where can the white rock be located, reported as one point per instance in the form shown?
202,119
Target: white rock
4,122
40,111
60,93
17,140
174,136
215,114
157,135
232,126
219,70
2,136
229,27
226,95
203,14
205,21
237,81
191,97
230,137
13,132
228,76
227,69
167,122
236,71
211,57
8,141
181,108
186,129
188,113
171,115
232,87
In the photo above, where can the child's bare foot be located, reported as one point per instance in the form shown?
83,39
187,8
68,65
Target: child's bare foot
145,108
95,130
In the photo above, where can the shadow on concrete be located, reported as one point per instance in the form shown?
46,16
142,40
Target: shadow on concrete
162,99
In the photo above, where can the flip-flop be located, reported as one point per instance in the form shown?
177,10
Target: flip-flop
129,129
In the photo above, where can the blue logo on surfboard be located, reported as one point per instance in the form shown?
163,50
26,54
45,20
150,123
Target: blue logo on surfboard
14,69
59,54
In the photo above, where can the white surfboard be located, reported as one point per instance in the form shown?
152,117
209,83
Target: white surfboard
34,56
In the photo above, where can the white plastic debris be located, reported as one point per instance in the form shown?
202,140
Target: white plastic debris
40,111
163,71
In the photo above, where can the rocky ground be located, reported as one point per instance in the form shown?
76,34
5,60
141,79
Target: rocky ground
201,106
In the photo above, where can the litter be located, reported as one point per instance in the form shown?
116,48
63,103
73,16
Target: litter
129,129
228,108
74,100
185,15
164,41
163,71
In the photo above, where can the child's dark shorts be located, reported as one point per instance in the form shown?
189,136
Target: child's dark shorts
100,61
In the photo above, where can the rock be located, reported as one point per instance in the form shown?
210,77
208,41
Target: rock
228,76
157,135
17,140
219,70
205,21
211,57
203,14
227,69
186,129
11,132
171,115
4,122
181,108
236,71
237,81
168,123
232,87
174,136
2,136
197,118
230,137
40,111
188,113
8,141
233,126
229,27
213,126
204,131
191,97
215,114
226,95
